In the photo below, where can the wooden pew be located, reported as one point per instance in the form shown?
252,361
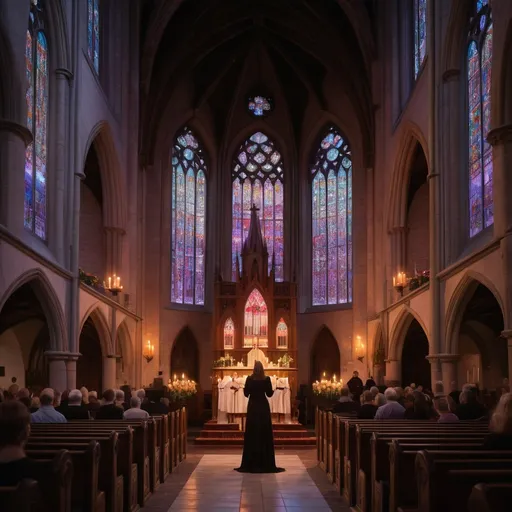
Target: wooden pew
490,498
445,480
126,468
95,482
163,445
22,498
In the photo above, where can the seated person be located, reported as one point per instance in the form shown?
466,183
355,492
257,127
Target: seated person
46,412
135,412
500,426
109,410
421,408
345,404
442,406
368,408
469,407
14,432
74,410
392,410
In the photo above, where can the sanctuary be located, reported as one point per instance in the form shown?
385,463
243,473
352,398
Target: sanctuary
253,320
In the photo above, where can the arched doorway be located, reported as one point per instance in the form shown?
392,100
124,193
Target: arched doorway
415,366
89,367
24,338
185,356
325,356
483,352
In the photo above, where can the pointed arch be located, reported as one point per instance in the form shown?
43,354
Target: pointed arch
460,299
188,219
331,212
399,332
282,334
185,355
255,320
97,317
324,354
50,304
420,35
229,334
258,178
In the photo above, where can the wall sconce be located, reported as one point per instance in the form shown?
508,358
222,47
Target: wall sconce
360,349
113,285
400,282
148,352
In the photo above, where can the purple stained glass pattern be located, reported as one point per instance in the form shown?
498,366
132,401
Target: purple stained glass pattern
331,203
480,158
93,32
259,106
229,334
188,220
258,178
36,72
420,34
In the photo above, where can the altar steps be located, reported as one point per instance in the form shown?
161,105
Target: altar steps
229,434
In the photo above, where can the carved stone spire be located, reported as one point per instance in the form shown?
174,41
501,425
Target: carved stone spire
254,242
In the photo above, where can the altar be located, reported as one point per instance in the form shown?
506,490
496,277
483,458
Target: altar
254,320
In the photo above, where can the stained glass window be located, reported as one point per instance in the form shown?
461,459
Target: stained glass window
258,179
282,334
332,221
229,334
36,70
93,32
480,160
420,34
259,106
255,321
188,205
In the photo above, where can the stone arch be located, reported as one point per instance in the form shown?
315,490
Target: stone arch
399,332
113,186
324,354
456,38
397,205
185,355
459,301
49,302
101,324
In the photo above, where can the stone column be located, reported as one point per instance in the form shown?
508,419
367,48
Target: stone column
71,371
398,248
114,246
109,372
14,139
393,372
449,371
436,373
508,336
57,370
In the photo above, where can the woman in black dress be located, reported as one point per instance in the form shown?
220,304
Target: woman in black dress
258,456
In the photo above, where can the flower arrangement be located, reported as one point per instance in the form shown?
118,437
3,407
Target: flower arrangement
88,279
285,361
328,388
224,361
419,279
181,389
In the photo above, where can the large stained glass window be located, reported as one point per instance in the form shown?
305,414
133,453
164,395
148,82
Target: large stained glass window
258,179
420,34
188,204
229,334
93,32
332,221
36,69
479,119
255,321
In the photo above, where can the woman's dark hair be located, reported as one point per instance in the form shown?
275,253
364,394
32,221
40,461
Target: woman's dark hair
258,372
14,423
422,407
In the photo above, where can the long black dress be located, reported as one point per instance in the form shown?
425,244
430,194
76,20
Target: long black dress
258,456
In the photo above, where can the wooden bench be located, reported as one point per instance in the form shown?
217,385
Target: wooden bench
490,498
22,498
445,480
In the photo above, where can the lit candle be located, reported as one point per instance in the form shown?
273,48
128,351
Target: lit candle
334,377
324,375
174,376
182,375
110,282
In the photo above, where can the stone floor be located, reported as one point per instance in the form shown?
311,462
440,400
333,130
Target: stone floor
205,481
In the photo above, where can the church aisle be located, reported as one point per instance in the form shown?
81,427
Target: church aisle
207,482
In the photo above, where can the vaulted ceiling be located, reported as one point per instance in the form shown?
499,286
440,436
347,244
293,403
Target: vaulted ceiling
217,44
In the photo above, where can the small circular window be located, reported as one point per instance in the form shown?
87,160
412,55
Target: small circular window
259,106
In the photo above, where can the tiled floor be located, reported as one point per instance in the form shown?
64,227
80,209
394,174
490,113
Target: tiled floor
207,482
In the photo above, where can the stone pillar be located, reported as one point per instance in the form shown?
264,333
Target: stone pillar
449,371
109,372
14,139
71,371
398,249
436,373
508,336
393,372
57,370
114,247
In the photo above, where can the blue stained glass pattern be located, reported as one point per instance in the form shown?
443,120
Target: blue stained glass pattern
258,178
259,106
36,72
480,159
331,201
93,32
188,220
420,34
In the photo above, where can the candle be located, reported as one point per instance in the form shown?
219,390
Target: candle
110,282
467,376
334,377
324,375
182,375
174,376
